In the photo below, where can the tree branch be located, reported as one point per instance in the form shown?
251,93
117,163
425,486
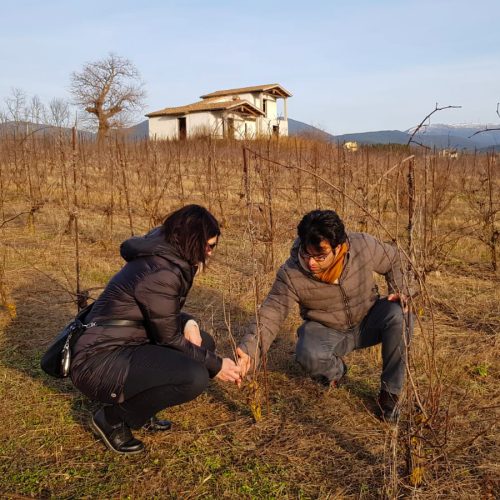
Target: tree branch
421,124
486,129
32,210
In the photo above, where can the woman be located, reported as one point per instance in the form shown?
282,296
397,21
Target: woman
140,353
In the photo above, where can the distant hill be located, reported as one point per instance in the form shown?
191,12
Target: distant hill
445,142
456,133
41,130
136,132
438,136
139,131
300,128
378,137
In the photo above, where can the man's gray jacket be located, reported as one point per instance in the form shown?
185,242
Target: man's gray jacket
340,306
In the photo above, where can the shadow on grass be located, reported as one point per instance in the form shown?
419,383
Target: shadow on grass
43,310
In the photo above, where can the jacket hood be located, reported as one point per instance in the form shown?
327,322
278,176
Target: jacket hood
154,243
294,250
296,261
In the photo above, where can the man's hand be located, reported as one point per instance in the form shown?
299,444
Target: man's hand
399,297
192,332
244,361
230,372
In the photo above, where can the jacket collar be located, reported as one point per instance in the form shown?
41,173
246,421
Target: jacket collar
301,265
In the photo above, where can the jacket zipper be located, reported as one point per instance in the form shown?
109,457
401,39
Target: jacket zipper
344,295
347,308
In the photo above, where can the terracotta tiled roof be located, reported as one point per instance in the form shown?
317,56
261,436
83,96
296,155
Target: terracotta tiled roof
207,105
276,87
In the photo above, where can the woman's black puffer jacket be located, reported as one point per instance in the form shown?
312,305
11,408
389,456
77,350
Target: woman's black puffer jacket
152,288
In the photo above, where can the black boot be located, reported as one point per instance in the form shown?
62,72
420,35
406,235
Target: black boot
155,425
118,437
388,405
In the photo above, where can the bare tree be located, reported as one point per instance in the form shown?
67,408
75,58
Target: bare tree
37,112
16,105
110,90
59,113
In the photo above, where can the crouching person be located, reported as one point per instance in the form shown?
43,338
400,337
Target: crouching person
140,352
330,275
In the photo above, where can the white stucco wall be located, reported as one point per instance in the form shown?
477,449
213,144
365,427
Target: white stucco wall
163,127
251,128
201,123
244,129
239,126
167,127
256,98
271,108
251,97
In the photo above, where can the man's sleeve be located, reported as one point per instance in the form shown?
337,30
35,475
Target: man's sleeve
388,261
271,314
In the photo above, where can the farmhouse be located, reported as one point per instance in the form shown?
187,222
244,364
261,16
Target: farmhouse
241,113
351,146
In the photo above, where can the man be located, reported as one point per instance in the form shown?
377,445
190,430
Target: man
330,275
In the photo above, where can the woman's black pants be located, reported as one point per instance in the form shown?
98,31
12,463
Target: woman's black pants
159,377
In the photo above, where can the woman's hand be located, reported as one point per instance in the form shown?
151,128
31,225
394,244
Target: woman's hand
244,361
230,372
192,332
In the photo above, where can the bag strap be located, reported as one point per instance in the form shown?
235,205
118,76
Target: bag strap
114,322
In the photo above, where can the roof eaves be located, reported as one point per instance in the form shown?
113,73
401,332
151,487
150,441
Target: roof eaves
255,88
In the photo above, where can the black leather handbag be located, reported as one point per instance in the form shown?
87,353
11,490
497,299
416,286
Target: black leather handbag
56,361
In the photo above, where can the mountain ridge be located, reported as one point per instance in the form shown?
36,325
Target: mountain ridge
440,136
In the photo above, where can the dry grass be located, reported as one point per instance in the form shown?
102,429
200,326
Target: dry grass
312,443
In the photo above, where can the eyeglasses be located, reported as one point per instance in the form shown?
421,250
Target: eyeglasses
317,258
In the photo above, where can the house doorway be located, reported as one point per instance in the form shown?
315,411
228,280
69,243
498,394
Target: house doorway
230,128
182,128
276,130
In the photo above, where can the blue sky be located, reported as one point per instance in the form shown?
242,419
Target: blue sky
352,66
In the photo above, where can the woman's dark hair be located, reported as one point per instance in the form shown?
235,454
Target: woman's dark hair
188,229
321,225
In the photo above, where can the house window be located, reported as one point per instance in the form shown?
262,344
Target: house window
264,106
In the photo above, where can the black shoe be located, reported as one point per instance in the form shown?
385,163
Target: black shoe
335,384
117,438
388,406
156,425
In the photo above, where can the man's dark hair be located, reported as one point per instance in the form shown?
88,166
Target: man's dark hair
188,229
321,225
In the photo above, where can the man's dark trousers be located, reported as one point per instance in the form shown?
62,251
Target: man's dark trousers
319,348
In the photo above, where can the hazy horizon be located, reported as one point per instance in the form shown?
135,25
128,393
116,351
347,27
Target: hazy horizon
352,67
